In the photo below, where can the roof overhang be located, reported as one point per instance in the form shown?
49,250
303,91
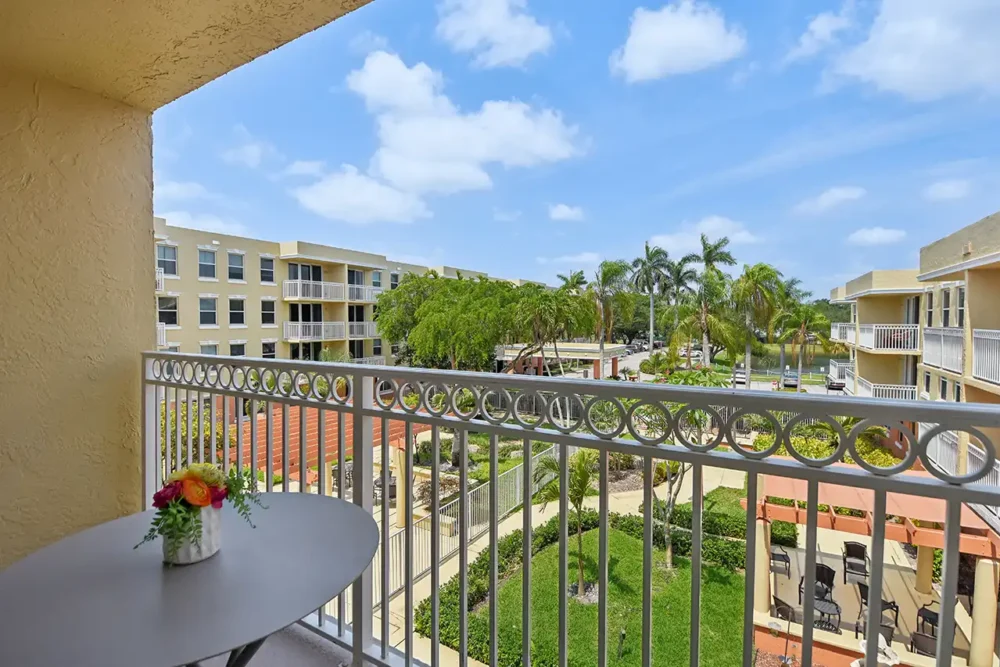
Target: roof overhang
887,291
331,260
947,272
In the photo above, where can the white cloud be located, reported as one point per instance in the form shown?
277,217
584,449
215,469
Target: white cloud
830,198
688,238
744,73
946,190
679,38
506,216
205,222
871,236
499,32
355,198
582,258
565,212
367,41
822,32
305,168
250,151
929,49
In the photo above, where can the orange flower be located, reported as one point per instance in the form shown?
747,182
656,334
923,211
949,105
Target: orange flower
195,491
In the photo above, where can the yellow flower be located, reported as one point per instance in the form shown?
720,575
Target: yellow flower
208,473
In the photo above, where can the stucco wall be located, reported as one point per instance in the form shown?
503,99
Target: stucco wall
984,236
75,245
982,290
888,309
880,368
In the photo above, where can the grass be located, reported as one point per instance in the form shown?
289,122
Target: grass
725,500
721,629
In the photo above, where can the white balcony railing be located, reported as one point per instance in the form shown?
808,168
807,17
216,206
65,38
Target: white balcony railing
986,355
621,417
376,360
842,332
944,348
362,330
889,337
314,331
867,389
363,293
311,290
839,369
161,334
160,281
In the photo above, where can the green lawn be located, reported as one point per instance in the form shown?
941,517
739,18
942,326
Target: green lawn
721,626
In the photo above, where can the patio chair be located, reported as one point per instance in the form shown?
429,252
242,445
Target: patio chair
922,644
856,560
781,557
861,629
783,610
927,616
826,576
887,605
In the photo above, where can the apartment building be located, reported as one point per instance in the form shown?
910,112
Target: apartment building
883,335
237,296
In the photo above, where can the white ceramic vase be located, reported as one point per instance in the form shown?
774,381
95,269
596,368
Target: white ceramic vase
189,551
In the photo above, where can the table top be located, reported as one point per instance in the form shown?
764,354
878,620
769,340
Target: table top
826,606
92,600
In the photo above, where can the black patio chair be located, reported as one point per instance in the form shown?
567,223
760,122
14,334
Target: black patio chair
856,560
826,577
861,628
922,644
887,605
783,610
927,616
781,557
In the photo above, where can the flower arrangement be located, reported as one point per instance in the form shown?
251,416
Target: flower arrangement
180,519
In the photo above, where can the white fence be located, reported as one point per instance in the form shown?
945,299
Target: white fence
312,290
160,280
839,369
161,334
899,337
370,361
943,450
842,332
314,331
652,422
986,355
899,392
362,329
944,348
363,292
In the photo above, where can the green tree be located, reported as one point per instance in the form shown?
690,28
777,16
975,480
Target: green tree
648,273
805,327
677,282
583,472
712,285
575,281
756,294
609,291
791,296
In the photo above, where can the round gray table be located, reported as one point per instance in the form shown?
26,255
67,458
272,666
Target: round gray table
90,600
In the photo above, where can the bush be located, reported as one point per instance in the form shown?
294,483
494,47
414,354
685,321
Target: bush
621,461
817,448
660,471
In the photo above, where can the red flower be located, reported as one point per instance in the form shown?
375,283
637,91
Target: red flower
164,496
218,495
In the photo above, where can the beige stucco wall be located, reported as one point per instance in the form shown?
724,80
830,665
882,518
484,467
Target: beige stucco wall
983,294
880,368
75,245
838,293
984,237
882,309
880,280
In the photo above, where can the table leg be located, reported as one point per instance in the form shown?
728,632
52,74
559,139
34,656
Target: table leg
241,657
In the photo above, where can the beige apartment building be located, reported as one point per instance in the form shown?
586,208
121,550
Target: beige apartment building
237,296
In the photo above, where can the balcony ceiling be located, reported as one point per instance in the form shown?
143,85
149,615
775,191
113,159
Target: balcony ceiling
147,54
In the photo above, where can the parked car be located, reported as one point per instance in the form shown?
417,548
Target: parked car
739,376
790,379
833,384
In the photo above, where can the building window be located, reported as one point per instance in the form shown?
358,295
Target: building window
376,278
237,311
393,280
377,347
207,311
930,309
267,312
356,348
172,348
927,382
235,266
355,277
206,263
268,350
266,270
166,259
944,389
166,310
395,349
293,351
958,392
960,312
209,349
237,349
946,308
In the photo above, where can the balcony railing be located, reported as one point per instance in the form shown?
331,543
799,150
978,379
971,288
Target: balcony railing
362,329
842,332
314,331
899,392
839,369
311,290
889,337
688,425
944,348
160,281
986,355
376,360
161,334
363,292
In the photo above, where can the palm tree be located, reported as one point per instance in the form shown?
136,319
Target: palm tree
679,276
755,295
574,281
802,325
791,296
712,255
793,291
582,476
609,283
648,272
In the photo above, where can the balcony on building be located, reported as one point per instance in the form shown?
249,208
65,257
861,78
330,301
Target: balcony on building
944,348
161,334
160,281
312,290
301,332
362,329
365,293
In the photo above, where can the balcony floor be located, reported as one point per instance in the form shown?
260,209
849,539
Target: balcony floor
294,646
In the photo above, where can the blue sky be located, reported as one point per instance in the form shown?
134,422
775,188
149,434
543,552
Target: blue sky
527,138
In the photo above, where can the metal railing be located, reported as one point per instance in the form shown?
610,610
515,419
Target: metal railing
312,290
362,329
898,337
899,392
160,280
652,422
161,334
314,331
363,292
944,348
839,369
944,450
986,355
376,360
842,332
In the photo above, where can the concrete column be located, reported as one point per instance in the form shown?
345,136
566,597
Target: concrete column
925,569
399,461
984,614
614,365
762,571
597,369
76,266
